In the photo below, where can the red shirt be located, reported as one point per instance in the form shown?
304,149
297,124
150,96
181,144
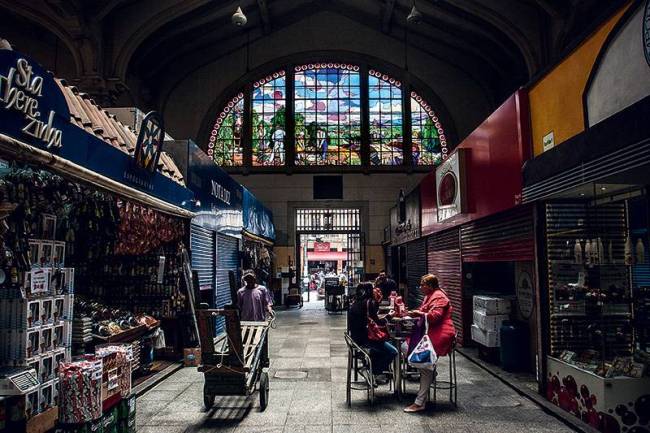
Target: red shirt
441,328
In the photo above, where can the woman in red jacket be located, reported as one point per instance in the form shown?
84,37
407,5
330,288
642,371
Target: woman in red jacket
435,308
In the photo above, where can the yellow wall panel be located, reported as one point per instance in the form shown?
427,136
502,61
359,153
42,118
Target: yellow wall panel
556,100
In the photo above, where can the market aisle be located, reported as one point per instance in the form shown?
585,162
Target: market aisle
309,341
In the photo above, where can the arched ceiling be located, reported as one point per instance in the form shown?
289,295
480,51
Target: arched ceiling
146,47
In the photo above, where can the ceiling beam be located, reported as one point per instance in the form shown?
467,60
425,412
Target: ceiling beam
387,15
264,14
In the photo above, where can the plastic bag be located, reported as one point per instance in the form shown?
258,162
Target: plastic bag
424,355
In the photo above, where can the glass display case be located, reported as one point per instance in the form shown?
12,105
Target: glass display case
598,276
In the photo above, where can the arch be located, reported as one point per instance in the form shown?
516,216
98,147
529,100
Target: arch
406,79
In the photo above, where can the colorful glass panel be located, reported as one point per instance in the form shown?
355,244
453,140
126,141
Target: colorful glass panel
427,135
269,126
225,143
385,119
327,100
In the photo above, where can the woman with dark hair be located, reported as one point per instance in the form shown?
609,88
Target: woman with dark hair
366,306
436,309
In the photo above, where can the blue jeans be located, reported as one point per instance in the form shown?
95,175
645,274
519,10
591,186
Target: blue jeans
381,354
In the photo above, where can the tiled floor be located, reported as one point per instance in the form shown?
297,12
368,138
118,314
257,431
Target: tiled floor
311,341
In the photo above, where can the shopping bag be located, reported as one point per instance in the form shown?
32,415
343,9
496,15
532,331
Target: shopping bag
424,355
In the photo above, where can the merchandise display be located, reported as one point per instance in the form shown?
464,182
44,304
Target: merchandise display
81,391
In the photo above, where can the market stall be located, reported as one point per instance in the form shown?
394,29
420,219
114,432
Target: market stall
93,218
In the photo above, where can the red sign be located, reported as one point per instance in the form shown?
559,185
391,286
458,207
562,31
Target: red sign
322,247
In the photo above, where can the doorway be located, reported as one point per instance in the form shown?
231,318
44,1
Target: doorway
329,245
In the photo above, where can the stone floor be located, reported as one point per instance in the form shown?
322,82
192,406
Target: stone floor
311,341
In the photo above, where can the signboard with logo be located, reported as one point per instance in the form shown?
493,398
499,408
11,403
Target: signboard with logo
525,289
450,182
150,141
258,220
34,111
219,199
405,218
322,247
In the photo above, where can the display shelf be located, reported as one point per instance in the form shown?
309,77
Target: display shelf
125,336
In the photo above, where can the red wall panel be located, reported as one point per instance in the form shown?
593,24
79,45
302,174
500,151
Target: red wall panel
496,151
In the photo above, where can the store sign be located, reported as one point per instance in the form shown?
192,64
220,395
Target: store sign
33,100
548,141
525,292
450,181
322,247
150,141
220,193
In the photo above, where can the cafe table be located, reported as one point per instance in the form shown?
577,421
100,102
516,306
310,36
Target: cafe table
399,329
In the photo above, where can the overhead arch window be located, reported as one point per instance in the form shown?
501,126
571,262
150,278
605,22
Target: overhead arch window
225,142
327,114
269,120
428,137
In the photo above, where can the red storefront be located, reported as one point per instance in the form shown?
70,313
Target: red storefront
479,238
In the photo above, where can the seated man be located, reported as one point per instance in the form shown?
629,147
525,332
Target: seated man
254,300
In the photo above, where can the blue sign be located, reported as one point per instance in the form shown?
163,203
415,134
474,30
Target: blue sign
219,197
258,219
34,110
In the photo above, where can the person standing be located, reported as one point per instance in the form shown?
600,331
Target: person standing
254,300
385,284
436,309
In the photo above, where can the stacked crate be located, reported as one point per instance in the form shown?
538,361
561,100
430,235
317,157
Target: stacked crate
489,313
35,322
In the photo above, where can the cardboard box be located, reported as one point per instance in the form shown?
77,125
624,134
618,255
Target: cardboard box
489,322
192,357
492,305
486,338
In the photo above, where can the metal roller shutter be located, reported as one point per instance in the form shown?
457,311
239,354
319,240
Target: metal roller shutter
227,260
416,266
202,248
443,257
508,236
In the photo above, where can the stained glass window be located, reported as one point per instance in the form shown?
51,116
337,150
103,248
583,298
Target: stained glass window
385,119
269,126
225,143
428,137
327,114
327,107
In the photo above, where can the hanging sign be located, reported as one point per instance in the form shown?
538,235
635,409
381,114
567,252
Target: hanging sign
525,290
450,181
322,247
150,141
32,101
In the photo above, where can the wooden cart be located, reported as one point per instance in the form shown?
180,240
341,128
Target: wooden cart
234,363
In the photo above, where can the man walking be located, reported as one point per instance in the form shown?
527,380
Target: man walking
254,300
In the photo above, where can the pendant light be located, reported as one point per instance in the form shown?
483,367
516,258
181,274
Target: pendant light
415,17
238,18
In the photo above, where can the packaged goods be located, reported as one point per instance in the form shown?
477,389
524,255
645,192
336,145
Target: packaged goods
489,322
489,338
80,391
492,305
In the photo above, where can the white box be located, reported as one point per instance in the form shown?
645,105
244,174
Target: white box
58,312
489,322
486,338
492,305
46,370
46,396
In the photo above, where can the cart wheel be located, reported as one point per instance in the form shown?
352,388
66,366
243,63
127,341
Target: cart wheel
208,400
264,390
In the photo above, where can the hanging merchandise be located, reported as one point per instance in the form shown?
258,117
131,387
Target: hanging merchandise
601,251
588,254
577,252
640,251
629,258
610,253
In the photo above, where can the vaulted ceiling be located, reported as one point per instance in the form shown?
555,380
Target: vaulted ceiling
139,51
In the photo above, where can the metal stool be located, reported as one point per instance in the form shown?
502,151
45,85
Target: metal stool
360,364
451,384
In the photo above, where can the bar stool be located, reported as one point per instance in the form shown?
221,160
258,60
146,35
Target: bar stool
359,364
451,384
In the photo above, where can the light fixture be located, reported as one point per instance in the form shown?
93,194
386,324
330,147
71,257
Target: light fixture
238,18
5,45
415,17
602,188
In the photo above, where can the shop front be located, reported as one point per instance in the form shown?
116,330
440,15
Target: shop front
592,190
479,240
259,237
94,219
